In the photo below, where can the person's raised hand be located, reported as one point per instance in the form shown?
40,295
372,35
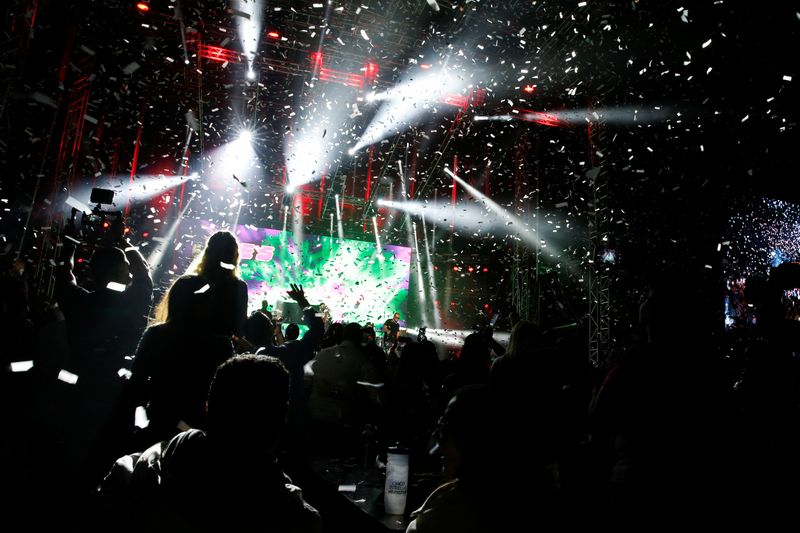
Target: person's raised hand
298,295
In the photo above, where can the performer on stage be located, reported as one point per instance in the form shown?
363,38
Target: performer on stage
390,330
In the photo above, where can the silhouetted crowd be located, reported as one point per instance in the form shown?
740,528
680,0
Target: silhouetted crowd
187,415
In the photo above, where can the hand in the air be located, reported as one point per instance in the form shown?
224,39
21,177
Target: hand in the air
298,295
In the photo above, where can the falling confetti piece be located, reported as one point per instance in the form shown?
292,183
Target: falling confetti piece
203,289
67,377
140,418
21,366
132,67
117,287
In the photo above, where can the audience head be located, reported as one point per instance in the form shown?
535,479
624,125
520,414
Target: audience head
369,333
109,264
248,403
468,433
352,332
259,330
176,307
13,296
220,257
292,332
333,335
524,336
475,353
413,362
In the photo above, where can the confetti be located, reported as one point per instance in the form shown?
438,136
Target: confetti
21,366
132,67
203,289
140,418
67,377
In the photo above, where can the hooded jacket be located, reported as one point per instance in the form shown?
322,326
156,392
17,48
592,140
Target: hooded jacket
187,484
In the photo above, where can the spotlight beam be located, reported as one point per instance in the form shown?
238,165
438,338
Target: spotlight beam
156,257
248,15
405,103
339,227
420,279
524,231
431,280
575,117
377,237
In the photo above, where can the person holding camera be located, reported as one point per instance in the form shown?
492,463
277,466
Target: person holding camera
105,315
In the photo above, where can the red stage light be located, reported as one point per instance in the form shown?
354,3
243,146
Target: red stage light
486,269
425,66
370,72
105,225
144,7
455,269
273,34
146,234
529,88
217,53
545,119
470,269
316,59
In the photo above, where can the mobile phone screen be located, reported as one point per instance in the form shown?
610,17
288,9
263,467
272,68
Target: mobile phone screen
494,319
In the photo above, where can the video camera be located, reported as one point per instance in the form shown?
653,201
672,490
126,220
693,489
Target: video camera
100,227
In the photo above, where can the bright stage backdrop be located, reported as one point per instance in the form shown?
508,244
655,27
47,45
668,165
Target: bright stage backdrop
355,281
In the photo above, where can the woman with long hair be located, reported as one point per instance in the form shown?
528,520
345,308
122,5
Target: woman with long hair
196,321
214,297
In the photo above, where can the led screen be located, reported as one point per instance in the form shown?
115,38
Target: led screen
356,281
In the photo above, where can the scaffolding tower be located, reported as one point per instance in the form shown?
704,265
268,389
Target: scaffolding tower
599,282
